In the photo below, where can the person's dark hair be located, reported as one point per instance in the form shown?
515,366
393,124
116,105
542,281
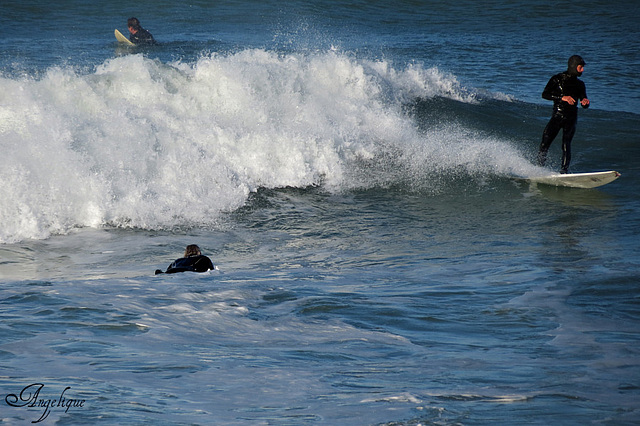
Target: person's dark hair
192,250
573,63
133,23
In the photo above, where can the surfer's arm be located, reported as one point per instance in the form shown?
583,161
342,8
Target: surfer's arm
585,101
203,264
552,91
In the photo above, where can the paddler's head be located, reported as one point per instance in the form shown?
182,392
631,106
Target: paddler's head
192,250
134,25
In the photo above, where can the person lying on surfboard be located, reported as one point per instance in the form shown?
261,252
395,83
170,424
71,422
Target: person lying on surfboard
193,261
138,34
566,91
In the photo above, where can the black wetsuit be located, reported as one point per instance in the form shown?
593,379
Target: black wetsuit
142,36
565,116
189,264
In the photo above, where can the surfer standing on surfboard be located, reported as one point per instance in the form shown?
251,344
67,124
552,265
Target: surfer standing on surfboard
566,90
138,34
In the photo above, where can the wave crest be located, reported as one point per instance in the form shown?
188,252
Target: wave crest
146,144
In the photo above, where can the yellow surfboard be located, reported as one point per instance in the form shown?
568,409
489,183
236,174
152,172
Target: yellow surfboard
576,180
123,39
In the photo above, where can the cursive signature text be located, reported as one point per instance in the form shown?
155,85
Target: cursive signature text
30,397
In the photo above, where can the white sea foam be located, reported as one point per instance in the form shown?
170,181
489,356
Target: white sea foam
146,144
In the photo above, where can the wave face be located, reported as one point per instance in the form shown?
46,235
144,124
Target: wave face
141,143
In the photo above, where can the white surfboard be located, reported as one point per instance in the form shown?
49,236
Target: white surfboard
123,39
576,180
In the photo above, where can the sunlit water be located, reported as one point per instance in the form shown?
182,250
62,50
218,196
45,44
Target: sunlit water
350,170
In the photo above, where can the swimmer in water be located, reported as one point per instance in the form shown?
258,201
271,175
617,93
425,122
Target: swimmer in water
192,261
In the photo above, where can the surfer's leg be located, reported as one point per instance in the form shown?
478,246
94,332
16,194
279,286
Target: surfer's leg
548,135
567,135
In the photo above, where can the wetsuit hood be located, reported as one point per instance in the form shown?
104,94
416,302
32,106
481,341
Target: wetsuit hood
572,68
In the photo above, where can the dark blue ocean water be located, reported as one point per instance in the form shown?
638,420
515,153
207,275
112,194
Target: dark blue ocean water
349,167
